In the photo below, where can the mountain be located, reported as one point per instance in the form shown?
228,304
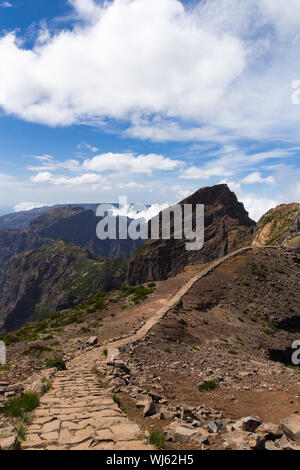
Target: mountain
74,224
20,220
279,226
53,278
227,227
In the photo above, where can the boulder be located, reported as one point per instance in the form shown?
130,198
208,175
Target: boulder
8,443
291,427
212,427
242,440
270,431
35,385
92,341
150,409
248,424
142,400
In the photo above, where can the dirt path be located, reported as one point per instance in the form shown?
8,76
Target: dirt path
78,413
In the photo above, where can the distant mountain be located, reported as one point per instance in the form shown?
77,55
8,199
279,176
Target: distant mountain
20,220
227,227
53,278
279,226
74,224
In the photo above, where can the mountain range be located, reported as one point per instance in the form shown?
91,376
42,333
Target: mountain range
54,260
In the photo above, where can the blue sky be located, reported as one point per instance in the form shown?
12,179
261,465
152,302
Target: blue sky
148,98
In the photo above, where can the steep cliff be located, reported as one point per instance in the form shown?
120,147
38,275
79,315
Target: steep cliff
279,226
227,227
53,278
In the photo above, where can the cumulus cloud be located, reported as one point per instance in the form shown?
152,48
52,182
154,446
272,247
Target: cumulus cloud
6,5
256,206
204,173
129,162
202,71
100,69
84,179
256,177
28,206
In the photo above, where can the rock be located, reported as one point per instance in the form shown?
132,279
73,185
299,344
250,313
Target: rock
92,341
249,424
8,443
271,446
184,433
291,427
212,427
257,441
285,444
35,385
150,409
181,433
142,400
270,431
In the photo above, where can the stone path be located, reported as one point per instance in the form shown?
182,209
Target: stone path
78,413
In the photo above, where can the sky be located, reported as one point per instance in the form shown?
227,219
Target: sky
149,99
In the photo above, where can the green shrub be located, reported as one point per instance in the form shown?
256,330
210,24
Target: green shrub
58,362
168,350
105,352
16,407
37,349
47,382
85,330
233,352
117,400
245,283
157,439
48,337
208,385
151,285
20,430
258,272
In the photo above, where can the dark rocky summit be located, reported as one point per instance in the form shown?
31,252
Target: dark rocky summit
227,228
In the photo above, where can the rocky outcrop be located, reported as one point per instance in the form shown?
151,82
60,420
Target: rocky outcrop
227,228
280,226
53,278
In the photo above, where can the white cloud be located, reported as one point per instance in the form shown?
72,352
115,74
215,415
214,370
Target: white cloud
131,163
256,177
86,146
28,206
209,71
84,179
100,69
136,212
204,173
256,206
6,5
